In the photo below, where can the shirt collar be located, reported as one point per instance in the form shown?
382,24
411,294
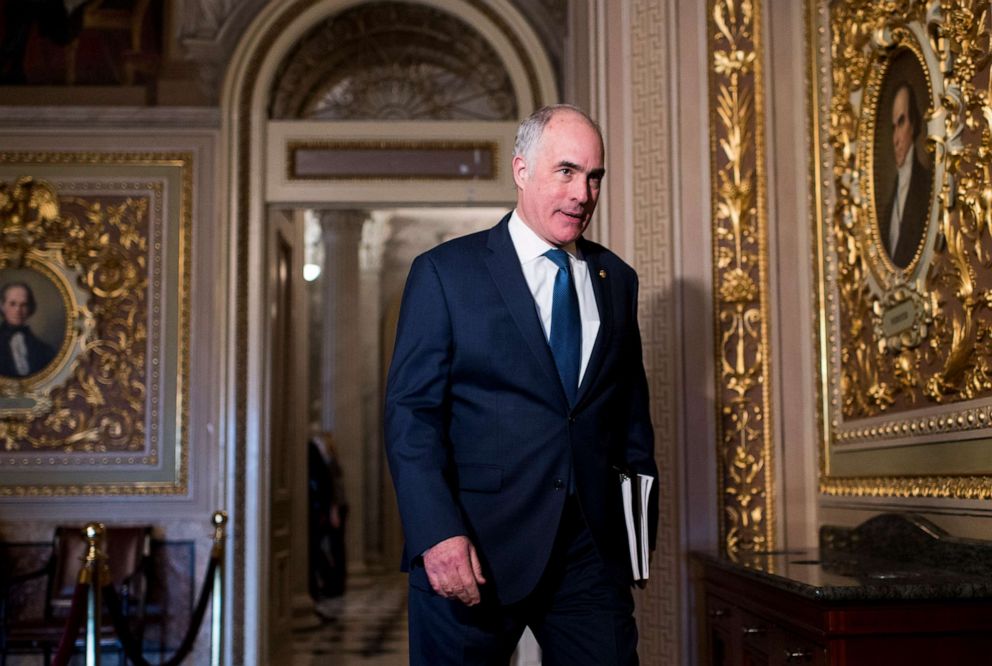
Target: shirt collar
529,245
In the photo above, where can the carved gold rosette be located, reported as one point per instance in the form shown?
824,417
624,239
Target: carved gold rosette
740,278
905,344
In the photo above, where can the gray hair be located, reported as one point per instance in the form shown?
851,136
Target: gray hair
530,130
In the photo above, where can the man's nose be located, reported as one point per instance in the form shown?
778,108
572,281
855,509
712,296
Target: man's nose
580,191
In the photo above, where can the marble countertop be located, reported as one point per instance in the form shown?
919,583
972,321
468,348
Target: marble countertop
838,575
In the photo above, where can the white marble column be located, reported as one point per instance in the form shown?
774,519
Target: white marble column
375,232
341,368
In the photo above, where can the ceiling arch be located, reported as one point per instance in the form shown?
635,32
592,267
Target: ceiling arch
395,61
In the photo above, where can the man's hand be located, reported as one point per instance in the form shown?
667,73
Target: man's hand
454,571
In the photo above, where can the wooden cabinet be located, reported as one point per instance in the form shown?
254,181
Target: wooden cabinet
737,636
753,618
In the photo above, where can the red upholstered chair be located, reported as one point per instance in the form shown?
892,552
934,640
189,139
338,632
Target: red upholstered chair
128,550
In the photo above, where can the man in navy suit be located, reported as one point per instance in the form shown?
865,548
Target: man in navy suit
516,391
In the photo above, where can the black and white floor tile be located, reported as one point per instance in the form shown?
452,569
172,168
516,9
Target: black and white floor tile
367,626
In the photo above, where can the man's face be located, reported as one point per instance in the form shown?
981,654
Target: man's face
558,184
902,129
15,306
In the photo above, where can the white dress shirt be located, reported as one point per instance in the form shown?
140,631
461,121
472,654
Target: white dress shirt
540,272
905,172
19,350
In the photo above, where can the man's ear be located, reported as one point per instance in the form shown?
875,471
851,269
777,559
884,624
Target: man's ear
519,171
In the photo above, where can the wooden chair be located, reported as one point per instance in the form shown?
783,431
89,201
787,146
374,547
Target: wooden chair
128,550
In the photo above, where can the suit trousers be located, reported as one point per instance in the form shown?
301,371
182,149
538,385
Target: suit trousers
579,613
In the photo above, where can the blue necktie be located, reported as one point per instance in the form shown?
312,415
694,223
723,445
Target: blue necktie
566,325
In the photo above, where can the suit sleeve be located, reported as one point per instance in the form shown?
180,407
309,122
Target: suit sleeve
416,413
640,433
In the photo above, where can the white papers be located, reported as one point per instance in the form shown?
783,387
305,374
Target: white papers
635,514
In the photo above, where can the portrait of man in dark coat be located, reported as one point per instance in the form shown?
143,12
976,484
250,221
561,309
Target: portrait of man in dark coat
903,221
22,353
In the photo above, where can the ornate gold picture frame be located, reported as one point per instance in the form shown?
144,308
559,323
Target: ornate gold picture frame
94,323
901,118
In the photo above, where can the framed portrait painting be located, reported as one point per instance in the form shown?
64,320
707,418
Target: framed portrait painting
94,323
901,164
903,228
33,321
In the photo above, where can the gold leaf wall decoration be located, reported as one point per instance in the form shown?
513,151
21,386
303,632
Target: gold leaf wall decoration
740,237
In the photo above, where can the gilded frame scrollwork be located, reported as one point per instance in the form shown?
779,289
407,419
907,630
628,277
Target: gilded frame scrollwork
904,348
112,231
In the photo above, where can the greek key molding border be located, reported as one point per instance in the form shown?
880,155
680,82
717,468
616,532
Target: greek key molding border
659,606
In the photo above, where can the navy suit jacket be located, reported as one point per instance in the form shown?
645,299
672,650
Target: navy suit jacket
479,433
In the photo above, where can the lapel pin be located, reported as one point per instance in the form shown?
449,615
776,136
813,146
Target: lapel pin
602,274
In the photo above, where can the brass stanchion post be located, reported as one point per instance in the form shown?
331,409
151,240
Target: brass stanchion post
96,574
217,600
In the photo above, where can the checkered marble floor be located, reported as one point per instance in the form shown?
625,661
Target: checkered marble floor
366,626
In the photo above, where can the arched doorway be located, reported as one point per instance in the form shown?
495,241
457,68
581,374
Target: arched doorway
287,151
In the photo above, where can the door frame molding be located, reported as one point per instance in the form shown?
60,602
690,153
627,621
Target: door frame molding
244,102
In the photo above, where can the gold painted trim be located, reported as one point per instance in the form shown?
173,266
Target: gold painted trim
384,145
815,32
959,421
184,162
745,459
768,442
972,487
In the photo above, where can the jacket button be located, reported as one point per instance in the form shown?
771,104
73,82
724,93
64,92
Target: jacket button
559,484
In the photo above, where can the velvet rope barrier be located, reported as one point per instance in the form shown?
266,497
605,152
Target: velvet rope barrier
94,582
73,624
132,646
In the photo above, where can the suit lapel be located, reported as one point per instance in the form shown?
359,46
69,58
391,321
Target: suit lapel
599,279
504,267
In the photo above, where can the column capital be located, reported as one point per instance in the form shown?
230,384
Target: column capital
341,223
